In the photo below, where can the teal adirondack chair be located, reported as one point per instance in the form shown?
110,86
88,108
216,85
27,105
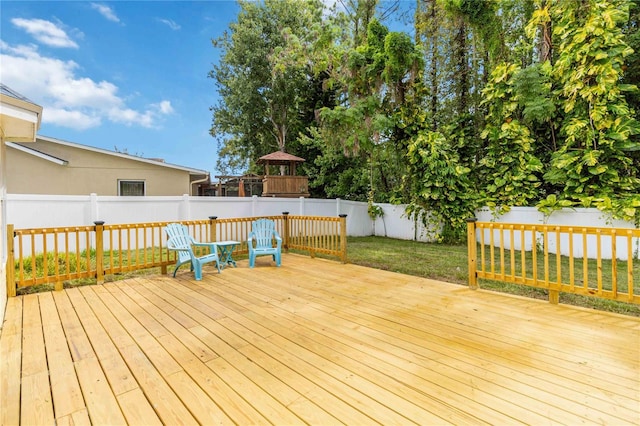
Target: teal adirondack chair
183,243
260,242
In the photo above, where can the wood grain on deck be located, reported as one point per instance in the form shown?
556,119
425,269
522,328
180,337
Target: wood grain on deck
311,342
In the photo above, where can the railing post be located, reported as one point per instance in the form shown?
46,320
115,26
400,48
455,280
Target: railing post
471,250
343,237
11,264
99,251
212,229
163,266
286,231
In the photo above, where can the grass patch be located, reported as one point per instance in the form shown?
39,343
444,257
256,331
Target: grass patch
449,263
71,263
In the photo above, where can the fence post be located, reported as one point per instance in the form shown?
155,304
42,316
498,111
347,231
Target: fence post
212,229
99,251
343,237
11,264
286,232
471,250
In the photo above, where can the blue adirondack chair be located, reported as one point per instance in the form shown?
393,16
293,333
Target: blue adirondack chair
260,242
183,243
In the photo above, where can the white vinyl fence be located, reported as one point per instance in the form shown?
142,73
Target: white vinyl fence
48,211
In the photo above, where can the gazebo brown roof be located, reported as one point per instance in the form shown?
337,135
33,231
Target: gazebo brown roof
280,158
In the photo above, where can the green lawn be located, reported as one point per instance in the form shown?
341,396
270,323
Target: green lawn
449,263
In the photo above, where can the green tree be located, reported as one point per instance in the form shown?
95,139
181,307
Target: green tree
632,61
262,98
443,193
594,164
568,113
517,99
373,81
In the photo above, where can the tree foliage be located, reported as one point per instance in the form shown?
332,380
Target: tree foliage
499,104
593,164
262,98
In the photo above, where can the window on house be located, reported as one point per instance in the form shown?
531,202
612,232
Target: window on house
131,187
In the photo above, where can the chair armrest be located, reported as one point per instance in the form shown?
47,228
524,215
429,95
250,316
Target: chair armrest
278,240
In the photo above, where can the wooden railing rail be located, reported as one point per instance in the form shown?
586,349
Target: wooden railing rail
55,255
589,261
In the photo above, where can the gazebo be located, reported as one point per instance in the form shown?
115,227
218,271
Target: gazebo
286,183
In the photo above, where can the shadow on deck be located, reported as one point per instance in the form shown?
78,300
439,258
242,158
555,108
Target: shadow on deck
315,342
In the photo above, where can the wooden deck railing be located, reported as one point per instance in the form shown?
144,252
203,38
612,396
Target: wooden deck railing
589,261
57,255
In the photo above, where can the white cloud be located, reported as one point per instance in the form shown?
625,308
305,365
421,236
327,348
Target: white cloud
45,32
105,11
164,107
77,120
131,117
70,100
170,23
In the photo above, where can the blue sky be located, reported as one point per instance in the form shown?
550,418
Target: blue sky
130,75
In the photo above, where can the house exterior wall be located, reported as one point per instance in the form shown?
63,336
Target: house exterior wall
86,172
3,231
19,121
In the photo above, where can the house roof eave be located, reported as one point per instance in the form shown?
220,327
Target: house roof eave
19,117
37,153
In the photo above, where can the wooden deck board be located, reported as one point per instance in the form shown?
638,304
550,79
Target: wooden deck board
67,395
357,360
313,342
10,362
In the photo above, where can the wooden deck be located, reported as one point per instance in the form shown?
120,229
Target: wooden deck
314,342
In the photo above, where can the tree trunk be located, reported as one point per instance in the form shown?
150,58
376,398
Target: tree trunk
433,74
461,66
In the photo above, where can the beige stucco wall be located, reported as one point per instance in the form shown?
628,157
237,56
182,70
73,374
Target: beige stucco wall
3,234
86,172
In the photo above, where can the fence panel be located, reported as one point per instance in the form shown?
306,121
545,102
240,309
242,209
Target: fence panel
65,255
56,255
589,261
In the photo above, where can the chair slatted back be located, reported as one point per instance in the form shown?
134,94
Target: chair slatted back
175,229
182,245
263,232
